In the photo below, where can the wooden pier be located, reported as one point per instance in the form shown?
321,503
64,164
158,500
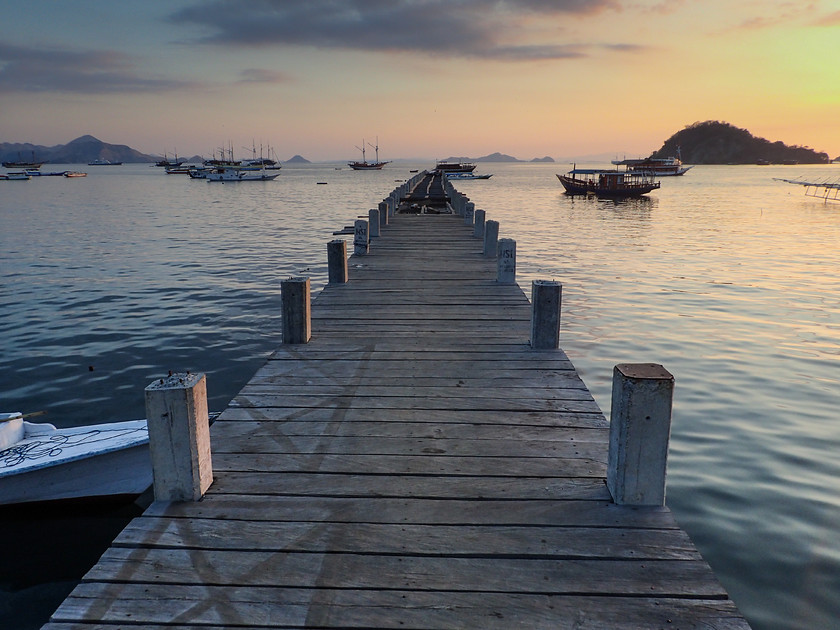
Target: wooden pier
417,464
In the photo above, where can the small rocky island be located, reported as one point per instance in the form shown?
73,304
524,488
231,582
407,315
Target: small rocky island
714,142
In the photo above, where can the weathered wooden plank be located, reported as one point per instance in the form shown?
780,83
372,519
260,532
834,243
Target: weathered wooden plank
386,484
497,403
596,512
216,607
281,390
452,431
438,416
421,464
380,572
456,541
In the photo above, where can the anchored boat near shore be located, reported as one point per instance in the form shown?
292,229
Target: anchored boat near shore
585,181
39,462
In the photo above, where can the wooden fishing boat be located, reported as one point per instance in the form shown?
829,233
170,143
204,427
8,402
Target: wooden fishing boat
581,181
39,462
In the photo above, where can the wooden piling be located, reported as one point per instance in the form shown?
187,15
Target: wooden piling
337,261
640,427
296,317
546,298
179,437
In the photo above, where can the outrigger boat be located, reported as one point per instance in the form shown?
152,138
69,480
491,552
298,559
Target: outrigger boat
827,189
462,175
585,181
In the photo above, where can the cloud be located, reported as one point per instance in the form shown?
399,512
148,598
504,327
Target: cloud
38,69
832,19
440,28
259,75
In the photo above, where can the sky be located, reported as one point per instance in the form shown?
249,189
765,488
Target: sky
423,78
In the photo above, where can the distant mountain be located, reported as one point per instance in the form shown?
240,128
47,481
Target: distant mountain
297,159
493,157
79,151
714,142
543,159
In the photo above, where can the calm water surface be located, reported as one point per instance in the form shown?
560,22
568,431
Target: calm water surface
724,276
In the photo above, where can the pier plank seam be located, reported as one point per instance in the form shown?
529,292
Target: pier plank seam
347,495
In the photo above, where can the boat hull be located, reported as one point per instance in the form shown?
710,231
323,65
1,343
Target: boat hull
615,187
40,463
123,473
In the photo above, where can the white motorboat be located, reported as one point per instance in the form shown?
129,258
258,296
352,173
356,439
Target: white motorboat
39,462
237,174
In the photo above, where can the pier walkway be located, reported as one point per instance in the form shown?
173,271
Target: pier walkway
415,465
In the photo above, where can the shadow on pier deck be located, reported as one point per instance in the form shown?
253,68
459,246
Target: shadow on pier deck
416,464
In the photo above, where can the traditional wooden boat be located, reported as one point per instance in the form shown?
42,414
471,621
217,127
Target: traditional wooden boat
454,167
103,162
364,165
39,462
584,181
74,174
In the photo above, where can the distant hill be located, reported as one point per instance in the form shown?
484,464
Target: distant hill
79,151
714,142
494,157
297,159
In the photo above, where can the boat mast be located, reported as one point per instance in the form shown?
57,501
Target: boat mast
362,149
377,148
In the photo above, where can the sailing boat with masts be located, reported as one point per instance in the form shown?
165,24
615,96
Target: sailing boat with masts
364,165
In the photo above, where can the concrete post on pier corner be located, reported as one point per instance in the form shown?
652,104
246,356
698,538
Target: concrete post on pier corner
297,310
337,261
469,213
640,428
506,261
478,226
361,237
491,238
179,437
546,298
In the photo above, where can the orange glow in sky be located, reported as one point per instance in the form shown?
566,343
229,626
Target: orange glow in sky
429,78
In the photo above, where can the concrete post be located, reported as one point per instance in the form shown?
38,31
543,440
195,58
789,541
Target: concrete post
337,261
384,212
361,238
297,313
469,213
478,227
179,437
506,262
373,221
640,427
546,296
491,238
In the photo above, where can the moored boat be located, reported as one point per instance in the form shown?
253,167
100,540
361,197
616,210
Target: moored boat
584,181
104,162
364,165
20,176
39,462
74,174
656,167
461,175
237,174
454,167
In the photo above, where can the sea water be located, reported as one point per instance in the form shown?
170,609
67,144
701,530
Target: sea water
725,276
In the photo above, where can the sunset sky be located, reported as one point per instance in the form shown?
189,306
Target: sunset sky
429,78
